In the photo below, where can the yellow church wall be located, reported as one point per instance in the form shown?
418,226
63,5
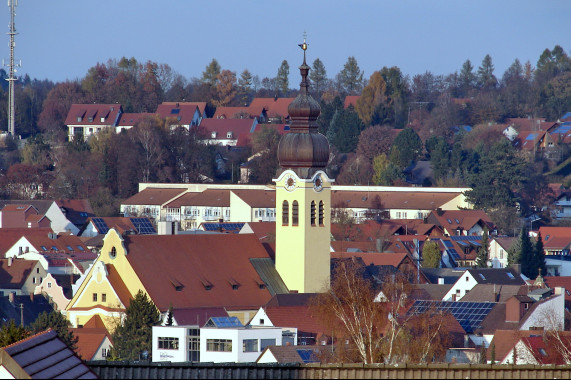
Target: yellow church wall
82,306
302,251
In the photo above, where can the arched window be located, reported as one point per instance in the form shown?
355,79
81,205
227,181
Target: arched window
113,252
313,213
294,214
285,213
321,213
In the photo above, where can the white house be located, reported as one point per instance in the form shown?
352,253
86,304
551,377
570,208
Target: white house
221,340
473,277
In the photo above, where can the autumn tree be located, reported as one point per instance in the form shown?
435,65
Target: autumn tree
282,79
349,309
265,145
385,172
210,74
375,140
373,96
350,78
56,107
431,255
225,87
149,134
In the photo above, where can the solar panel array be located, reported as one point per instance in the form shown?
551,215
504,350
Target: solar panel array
307,355
143,226
450,249
226,322
100,225
224,226
468,314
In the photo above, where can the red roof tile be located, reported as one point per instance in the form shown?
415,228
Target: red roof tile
154,196
351,100
130,119
93,112
15,272
89,340
198,270
300,317
274,107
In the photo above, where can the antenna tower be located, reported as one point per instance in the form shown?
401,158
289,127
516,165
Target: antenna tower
12,4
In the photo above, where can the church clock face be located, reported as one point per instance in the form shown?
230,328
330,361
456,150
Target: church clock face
290,182
318,183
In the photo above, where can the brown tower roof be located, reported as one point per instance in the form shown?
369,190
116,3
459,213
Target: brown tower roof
304,149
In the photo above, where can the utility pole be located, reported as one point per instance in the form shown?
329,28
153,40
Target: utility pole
12,4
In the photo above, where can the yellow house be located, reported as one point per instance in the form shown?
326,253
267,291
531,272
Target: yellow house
183,271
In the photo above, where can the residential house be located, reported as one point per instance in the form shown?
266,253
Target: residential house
220,340
276,109
456,222
556,240
473,277
188,275
253,205
292,354
350,100
58,254
149,202
561,206
93,343
498,250
88,119
229,132
234,113
129,120
76,211
57,288
20,277
42,356
100,226
22,216
57,212
181,114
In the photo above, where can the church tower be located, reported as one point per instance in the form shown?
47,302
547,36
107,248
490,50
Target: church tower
303,197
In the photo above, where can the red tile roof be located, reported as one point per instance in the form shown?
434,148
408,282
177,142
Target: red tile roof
274,107
94,322
392,199
236,127
231,113
392,259
154,196
209,197
351,100
200,105
15,272
265,231
465,219
89,340
9,237
257,198
186,271
300,317
183,113
555,237
93,112
130,119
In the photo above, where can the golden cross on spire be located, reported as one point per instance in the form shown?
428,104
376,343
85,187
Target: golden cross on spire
304,45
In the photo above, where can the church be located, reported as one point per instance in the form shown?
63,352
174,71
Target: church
231,271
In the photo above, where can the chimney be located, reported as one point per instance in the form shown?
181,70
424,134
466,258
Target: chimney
10,260
11,297
379,244
516,268
440,281
32,297
439,211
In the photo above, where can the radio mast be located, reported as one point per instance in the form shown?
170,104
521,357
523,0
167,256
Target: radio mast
12,4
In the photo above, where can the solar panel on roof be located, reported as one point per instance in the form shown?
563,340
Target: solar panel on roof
100,225
306,355
531,136
454,254
468,314
175,111
143,226
448,243
226,322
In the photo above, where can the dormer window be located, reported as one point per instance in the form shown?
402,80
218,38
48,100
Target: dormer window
90,119
228,135
79,119
102,119
213,134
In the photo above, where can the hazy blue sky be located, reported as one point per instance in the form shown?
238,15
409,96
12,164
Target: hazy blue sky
62,39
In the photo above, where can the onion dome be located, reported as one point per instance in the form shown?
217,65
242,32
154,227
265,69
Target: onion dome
303,149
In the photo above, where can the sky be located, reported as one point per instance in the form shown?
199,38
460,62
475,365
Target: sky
60,40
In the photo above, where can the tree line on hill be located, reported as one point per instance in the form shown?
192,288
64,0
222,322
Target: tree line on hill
397,121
